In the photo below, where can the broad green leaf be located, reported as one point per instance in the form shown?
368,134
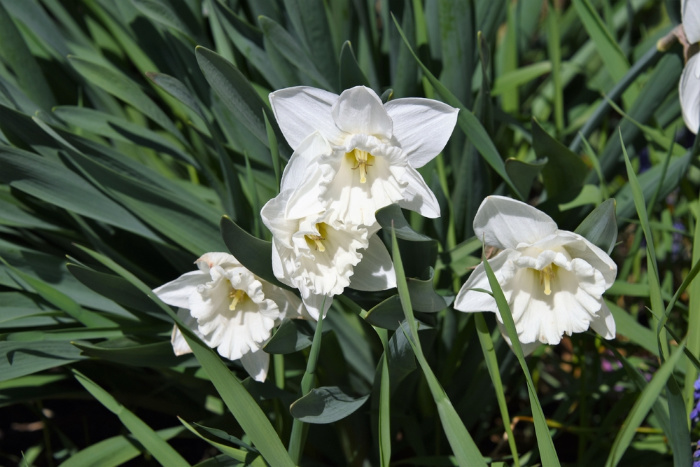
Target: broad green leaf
351,74
235,92
160,449
252,252
19,57
125,351
326,404
520,76
53,183
117,289
111,126
292,336
523,174
214,437
564,172
308,17
424,297
113,452
122,87
163,12
25,358
392,217
400,358
600,226
293,52
387,315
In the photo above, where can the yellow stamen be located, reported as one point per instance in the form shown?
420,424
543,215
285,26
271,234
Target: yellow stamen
363,160
236,296
546,276
317,240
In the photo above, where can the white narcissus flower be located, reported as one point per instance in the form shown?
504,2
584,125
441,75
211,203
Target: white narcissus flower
689,85
230,309
689,93
552,279
315,251
690,17
376,149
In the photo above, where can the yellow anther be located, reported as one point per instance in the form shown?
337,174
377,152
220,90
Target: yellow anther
546,276
317,240
236,296
363,160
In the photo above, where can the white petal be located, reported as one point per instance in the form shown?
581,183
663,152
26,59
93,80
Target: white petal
274,218
527,348
421,127
689,94
471,300
304,161
417,196
690,10
177,292
277,264
303,110
180,345
211,259
505,223
360,111
376,270
290,306
603,323
256,364
316,304
578,246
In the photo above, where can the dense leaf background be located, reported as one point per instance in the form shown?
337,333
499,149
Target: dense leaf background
136,135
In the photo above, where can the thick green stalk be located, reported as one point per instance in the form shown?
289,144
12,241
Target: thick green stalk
299,428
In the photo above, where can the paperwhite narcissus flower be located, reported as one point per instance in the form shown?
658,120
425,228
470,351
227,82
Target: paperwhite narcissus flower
230,309
316,252
376,148
689,85
552,279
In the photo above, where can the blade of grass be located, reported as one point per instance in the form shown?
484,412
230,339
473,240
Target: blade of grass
641,407
461,442
492,366
544,441
161,450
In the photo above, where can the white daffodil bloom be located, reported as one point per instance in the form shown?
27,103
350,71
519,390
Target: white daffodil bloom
689,93
315,251
690,17
230,309
689,85
376,148
552,279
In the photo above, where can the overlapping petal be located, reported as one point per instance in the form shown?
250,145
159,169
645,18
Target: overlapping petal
690,13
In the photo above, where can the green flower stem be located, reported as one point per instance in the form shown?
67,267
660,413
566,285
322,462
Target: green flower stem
299,428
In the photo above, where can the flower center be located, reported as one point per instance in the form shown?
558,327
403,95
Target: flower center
236,296
360,160
546,276
316,241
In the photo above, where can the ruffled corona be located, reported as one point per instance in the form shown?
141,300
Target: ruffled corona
230,309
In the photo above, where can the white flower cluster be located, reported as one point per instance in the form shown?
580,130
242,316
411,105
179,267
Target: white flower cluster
352,156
